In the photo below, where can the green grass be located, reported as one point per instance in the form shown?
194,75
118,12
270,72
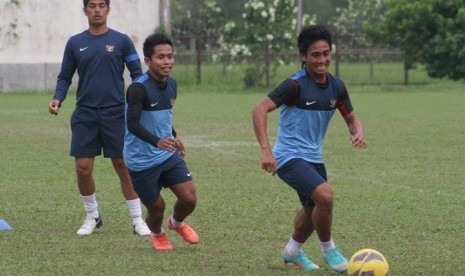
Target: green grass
403,195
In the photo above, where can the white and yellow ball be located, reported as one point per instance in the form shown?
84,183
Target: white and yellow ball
368,262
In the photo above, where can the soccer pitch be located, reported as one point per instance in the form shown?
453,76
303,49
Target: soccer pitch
403,196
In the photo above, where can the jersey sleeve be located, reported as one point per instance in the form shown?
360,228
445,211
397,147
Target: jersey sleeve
286,93
344,105
65,77
131,58
135,98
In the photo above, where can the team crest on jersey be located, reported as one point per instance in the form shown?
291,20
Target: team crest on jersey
172,101
333,103
110,48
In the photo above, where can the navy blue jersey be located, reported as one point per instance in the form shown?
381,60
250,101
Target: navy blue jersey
305,111
99,61
149,118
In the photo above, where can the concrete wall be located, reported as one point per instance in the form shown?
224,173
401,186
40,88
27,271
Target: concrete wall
44,26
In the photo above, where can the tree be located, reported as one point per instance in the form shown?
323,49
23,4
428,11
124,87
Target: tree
352,20
8,33
267,29
429,32
198,24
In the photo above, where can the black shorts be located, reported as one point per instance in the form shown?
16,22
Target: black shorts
149,182
304,177
94,129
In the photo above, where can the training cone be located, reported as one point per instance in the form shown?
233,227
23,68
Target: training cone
4,226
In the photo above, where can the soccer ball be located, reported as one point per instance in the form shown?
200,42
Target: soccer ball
368,262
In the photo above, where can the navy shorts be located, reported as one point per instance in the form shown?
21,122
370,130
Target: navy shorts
94,129
304,177
149,182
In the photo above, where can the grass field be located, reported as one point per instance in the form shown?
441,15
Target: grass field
403,196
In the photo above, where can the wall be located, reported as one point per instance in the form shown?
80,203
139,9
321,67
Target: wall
44,26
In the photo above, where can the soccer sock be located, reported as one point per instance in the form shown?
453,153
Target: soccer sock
90,205
326,246
293,248
175,223
135,210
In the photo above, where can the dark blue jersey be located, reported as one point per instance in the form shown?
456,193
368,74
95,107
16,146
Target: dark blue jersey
149,118
305,111
99,61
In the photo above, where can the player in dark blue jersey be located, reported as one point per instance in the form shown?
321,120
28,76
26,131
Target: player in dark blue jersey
153,152
99,55
307,101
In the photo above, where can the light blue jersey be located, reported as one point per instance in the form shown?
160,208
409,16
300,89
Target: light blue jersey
306,109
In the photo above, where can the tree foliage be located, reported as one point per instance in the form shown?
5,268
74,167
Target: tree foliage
353,19
199,27
430,32
268,28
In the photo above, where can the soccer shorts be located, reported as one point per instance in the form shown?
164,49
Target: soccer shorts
94,129
304,177
149,182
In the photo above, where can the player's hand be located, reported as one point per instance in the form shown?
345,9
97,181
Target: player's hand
358,141
54,107
180,146
268,162
168,144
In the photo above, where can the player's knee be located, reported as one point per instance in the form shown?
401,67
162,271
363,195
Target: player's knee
190,201
323,196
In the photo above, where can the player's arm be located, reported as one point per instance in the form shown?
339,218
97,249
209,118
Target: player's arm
64,80
259,118
135,98
357,137
132,60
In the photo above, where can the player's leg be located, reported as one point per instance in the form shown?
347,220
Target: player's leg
84,168
112,132
303,178
322,220
184,206
85,145
155,213
178,178
147,186
132,199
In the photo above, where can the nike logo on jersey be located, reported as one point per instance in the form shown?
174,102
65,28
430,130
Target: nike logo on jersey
153,104
310,103
83,49
189,174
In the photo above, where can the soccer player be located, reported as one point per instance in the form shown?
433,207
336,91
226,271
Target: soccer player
307,101
99,55
152,150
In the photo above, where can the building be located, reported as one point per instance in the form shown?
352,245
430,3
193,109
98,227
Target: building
32,62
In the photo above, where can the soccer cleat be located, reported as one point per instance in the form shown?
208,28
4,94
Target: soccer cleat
160,242
300,260
141,228
187,233
89,225
335,260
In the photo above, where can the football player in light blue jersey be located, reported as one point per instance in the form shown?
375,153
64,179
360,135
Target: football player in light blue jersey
307,102
99,54
153,151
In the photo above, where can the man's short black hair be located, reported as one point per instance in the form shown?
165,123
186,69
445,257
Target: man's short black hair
87,2
311,34
153,40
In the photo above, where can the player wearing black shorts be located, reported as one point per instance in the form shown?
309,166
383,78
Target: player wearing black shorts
153,152
99,55
307,102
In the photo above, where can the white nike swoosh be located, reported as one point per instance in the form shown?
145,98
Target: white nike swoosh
189,174
83,49
310,103
154,104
